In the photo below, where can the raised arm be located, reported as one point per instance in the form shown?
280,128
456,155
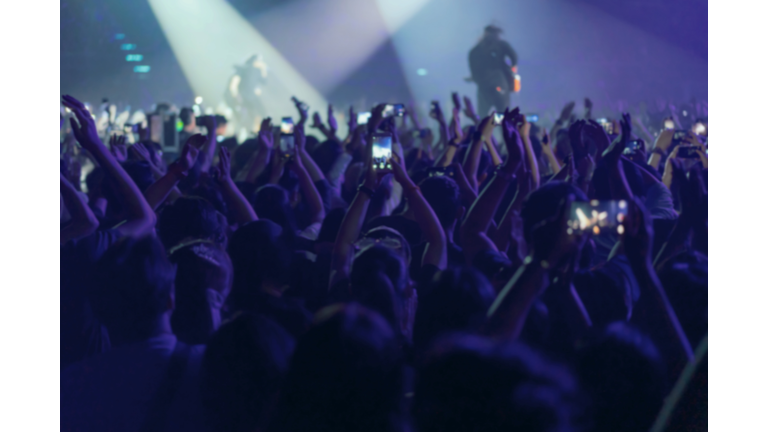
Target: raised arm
533,165
208,151
352,224
653,312
83,222
241,208
308,189
472,156
473,230
159,191
436,252
554,165
618,182
141,219
300,141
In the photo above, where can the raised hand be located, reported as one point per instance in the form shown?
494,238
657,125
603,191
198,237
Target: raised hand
613,153
377,116
190,152
576,140
225,165
140,152
85,132
512,140
332,120
209,122
266,137
486,127
300,107
469,110
565,114
456,131
593,131
398,169
317,122
456,101
117,148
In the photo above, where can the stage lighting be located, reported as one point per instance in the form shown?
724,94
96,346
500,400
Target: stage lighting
198,100
209,38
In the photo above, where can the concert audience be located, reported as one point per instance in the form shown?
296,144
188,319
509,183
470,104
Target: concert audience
254,287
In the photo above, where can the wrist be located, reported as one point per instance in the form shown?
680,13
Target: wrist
365,191
177,171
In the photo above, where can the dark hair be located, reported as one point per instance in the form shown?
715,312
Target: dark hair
132,289
624,375
140,172
243,368
326,154
242,154
220,120
259,255
472,383
344,376
456,301
212,195
185,115
378,281
189,218
562,146
271,202
544,202
331,225
442,194
601,180
200,267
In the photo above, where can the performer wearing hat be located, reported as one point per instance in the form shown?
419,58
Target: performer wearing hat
492,63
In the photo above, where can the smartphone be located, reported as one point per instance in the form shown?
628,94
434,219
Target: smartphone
688,152
532,118
669,124
286,126
498,118
132,128
421,133
633,147
699,128
382,150
287,145
678,137
441,172
363,117
396,110
597,217
606,124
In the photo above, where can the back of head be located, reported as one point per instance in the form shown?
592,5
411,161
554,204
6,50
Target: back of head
325,155
186,115
472,383
442,194
132,289
140,172
378,281
190,218
212,195
203,281
344,376
271,202
259,256
601,180
243,368
623,373
456,301
544,202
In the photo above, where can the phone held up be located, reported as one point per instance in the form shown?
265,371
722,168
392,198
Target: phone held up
287,146
363,117
597,217
382,151
396,110
286,126
448,171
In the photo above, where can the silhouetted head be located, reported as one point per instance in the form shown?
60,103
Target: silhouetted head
132,290
623,373
190,218
473,383
243,368
203,282
456,301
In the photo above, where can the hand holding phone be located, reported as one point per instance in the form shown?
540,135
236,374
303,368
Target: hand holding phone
286,126
597,217
382,151
287,146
